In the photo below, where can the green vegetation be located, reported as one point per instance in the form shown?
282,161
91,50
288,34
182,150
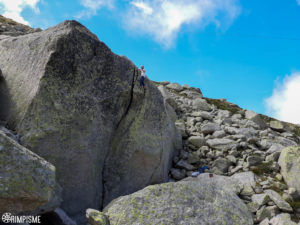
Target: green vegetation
8,21
262,168
295,204
277,189
224,105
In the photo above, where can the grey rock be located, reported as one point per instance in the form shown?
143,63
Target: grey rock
282,219
273,157
95,217
191,94
285,141
168,98
197,141
181,128
260,199
227,183
237,116
185,202
27,182
236,169
275,197
4,98
204,115
222,165
232,159
275,148
184,165
265,144
250,115
254,160
276,125
248,181
219,134
221,143
263,213
164,82
289,162
210,128
193,157
222,114
253,206
175,86
177,173
265,222
186,86
231,130
201,104
79,106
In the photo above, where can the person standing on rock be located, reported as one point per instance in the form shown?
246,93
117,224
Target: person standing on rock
143,75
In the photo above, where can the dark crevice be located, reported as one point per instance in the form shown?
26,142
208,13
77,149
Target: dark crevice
134,76
131,98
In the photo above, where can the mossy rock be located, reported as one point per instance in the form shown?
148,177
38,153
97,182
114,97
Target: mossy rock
27,183
205,200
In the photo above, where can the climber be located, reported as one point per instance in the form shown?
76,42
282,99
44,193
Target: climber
143,75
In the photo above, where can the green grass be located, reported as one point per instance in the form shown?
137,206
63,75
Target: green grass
8,21
294,204
263,168
224,105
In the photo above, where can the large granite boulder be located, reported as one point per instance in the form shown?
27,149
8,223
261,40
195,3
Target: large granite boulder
27,182
201,200
289,162
4,98
77,105
256,118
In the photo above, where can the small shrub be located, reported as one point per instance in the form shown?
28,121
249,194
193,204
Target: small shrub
294,204
224,105
263,168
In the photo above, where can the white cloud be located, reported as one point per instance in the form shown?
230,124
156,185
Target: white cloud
13,9
298,1
146,9
92,6
163,19
284,102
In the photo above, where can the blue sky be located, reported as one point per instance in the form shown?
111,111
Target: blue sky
245,51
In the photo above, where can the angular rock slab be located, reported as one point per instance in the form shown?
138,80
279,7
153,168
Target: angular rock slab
279,201
282,219
289,162
198,202
248,181
27,182
77,105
